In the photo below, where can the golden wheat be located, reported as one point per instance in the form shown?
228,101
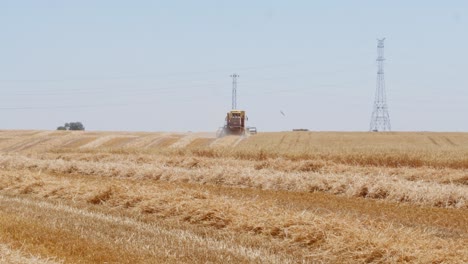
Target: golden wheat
8,255
94,197
310,231
231,173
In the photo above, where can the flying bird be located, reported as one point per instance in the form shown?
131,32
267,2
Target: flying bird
282,113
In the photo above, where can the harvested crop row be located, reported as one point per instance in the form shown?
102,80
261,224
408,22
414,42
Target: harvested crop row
333,237
11,256
413,150
84,236
443,176
368,186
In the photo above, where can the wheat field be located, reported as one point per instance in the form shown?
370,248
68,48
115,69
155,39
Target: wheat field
285,197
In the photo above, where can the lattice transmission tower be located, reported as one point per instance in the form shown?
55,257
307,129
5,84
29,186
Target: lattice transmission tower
234,90
380,120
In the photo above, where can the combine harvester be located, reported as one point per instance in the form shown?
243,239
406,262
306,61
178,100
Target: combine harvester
235,125
235,119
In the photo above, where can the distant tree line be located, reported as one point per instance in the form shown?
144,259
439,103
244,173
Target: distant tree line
72,126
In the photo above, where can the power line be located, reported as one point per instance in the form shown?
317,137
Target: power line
157,76
63,107
152,76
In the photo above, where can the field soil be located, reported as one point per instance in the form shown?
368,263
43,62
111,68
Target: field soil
286,197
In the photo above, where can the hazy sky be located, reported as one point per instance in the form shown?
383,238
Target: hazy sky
165,65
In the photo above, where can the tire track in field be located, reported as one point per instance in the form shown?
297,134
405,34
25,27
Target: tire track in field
183,142
450,142
227,141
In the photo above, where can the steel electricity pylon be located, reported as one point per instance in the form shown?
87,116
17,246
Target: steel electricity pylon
380,120
234,90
